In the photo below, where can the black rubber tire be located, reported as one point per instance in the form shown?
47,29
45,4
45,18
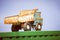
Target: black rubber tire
37,27
15,28
25,27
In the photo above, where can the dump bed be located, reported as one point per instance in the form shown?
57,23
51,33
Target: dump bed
23,16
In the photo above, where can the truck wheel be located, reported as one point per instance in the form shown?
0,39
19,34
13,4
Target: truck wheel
27,27
15,28
38,26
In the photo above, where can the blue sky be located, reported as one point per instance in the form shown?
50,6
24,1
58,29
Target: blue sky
50,11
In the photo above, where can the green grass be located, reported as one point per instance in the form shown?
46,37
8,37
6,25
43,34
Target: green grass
31,35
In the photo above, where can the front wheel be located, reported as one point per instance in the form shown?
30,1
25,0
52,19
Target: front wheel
38,26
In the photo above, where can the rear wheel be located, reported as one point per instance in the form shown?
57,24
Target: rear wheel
15,28
27,27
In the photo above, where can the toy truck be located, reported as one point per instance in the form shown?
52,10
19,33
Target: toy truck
26,20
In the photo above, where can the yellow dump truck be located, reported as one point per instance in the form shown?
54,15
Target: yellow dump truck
26,19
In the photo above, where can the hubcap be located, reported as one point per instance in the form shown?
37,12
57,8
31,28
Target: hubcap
39,27
28,27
